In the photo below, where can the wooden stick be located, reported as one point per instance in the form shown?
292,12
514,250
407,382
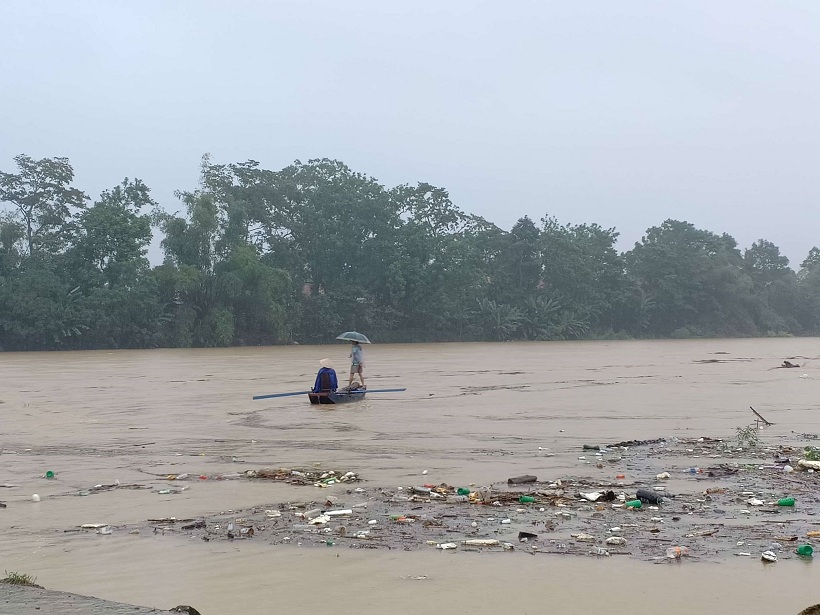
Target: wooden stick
757,414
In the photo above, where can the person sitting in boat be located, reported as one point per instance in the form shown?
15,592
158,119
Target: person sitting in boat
326,378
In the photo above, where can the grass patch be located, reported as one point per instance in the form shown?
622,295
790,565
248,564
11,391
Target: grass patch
17,578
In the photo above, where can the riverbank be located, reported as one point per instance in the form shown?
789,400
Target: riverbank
22,600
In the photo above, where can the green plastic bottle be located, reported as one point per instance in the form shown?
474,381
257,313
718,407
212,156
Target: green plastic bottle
462,491
805,550
526,499
633,504
785,502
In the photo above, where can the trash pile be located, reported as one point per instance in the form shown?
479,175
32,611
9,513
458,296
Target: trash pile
291,476
644,499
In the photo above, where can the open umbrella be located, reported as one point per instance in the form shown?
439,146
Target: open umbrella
353,336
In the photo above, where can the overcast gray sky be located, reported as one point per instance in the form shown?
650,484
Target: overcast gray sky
616,112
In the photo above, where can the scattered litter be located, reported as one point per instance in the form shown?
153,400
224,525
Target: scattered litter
528,478
535,516
649,496
677,552
805,550
480,542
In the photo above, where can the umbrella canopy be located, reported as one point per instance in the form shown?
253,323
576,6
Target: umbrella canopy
353,336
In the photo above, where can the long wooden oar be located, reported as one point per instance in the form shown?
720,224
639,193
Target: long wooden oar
325,393
281,395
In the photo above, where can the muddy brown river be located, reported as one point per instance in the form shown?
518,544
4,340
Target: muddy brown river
472,413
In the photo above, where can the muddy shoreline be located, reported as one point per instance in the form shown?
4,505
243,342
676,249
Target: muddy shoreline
22,600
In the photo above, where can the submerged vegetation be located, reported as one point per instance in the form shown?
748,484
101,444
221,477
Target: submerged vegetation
258,257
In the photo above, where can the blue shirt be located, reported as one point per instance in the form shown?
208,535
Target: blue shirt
326,380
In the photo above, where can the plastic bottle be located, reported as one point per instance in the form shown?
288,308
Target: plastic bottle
526,499
649,496
462,491
456,499
693,471
785,502
805,550
49,474
676,552
633,504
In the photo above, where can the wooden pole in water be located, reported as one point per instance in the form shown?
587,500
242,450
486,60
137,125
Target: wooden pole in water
758,415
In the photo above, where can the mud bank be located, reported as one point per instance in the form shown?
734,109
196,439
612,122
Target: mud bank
21,600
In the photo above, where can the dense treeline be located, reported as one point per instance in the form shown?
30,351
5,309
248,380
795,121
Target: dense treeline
300,254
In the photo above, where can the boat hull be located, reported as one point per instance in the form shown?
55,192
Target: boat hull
336,398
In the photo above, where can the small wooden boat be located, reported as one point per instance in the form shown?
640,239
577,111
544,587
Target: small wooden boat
342,396
337,397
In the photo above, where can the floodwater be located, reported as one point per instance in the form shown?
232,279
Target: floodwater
472,413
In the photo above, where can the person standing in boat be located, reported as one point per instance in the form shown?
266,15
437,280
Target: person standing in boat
356,363
326,381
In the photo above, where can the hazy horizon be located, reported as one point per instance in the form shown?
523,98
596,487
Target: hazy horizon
620,114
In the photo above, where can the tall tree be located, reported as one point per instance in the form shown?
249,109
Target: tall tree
113,235
43,201
213,283
582,268
693,281
518,274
